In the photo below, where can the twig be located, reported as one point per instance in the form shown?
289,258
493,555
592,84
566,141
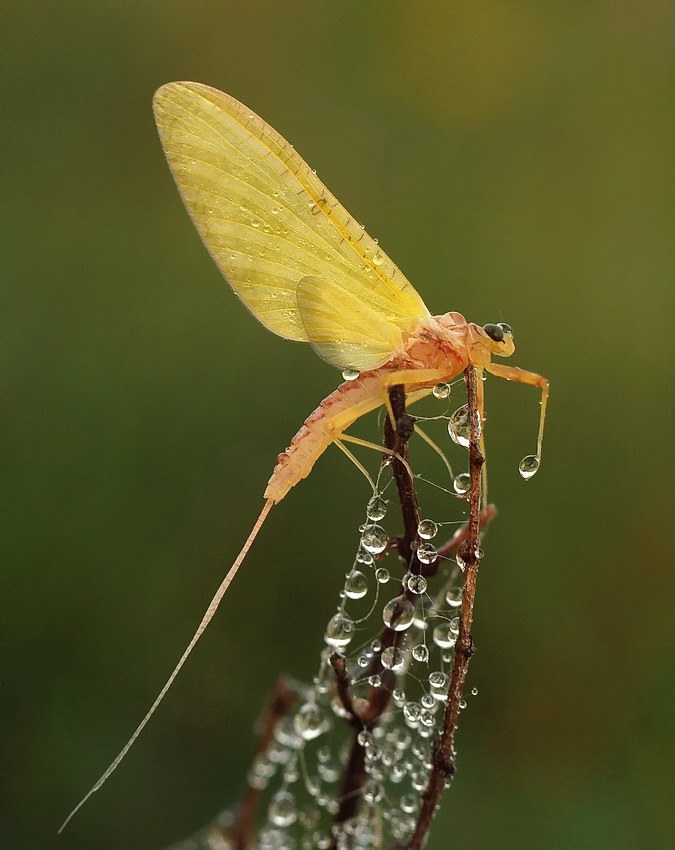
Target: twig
282,699
396,439
443,749
344,684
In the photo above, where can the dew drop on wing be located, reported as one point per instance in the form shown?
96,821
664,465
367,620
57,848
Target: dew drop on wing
350,374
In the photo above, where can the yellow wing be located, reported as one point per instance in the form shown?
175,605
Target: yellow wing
344,329
269,222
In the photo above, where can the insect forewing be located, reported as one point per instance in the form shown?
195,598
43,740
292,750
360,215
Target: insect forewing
268,221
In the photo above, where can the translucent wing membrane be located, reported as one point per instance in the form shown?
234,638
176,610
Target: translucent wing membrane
343,328
269,222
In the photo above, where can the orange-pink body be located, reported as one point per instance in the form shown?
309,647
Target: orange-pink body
438,350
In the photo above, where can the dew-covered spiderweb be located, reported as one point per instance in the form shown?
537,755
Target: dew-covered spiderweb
349,762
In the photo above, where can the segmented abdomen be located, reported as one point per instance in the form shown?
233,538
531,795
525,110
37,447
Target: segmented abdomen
335,413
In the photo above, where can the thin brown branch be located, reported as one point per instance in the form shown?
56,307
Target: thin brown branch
343,683
396,439
281,700
443,749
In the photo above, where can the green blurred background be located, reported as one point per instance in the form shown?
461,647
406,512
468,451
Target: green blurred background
512,158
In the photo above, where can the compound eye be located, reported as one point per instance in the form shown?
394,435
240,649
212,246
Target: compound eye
495,332
506,328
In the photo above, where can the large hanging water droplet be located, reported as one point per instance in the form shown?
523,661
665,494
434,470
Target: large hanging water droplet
282,810
427,529
340,630
462,483
309,722
441,390
459,426
528,466
350,374
398,614
376,509
374,539
394,658
356,585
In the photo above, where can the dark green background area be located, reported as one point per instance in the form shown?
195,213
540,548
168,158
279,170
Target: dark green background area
512,158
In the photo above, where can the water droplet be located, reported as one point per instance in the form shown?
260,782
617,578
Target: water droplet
356,585
372,792
362,660
377,508
412,711
462,483
474,692
429,702
427,529
528,466
382,575
426,552
340,630
441,390
438,679
462,555
459,426
444,636
365,738
417,584
282,810
376,645
454,597
378,259
350,374
427,718
398,696
420,652
309,721
394,658
374,681
364,557
398,614
374,539
408,803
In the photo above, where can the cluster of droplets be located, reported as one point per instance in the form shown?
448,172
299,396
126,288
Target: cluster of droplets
409,663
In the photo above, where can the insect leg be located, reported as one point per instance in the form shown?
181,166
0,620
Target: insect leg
427,439
357,463
357,441
513,373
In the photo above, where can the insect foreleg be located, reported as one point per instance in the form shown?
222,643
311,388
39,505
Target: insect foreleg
513,373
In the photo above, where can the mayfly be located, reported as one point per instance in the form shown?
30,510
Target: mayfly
309,272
